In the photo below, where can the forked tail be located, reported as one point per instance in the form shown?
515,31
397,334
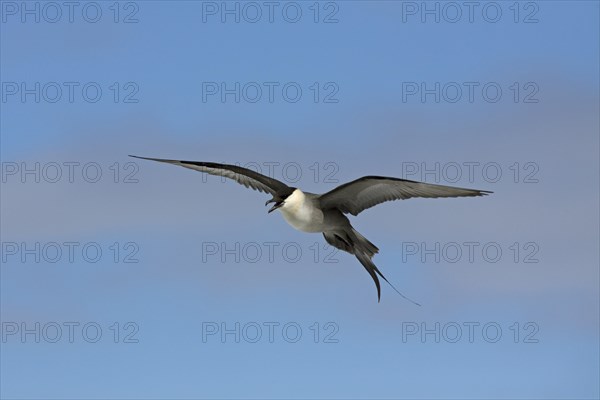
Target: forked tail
374,271
349,240
363,244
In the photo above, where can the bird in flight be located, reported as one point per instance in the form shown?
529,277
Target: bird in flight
310,212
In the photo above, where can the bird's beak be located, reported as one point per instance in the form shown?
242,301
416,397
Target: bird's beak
276,206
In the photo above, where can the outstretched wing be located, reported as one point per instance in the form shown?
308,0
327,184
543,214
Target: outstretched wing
243,176
360,194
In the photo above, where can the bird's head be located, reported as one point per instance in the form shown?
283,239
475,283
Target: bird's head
279,199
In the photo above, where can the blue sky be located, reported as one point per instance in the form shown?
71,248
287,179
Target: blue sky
541,135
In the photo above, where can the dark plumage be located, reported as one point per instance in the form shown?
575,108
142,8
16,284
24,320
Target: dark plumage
324,213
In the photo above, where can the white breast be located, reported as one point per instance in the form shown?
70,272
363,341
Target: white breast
300,213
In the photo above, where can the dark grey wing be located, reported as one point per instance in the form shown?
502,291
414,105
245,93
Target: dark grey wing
360,194
243,176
